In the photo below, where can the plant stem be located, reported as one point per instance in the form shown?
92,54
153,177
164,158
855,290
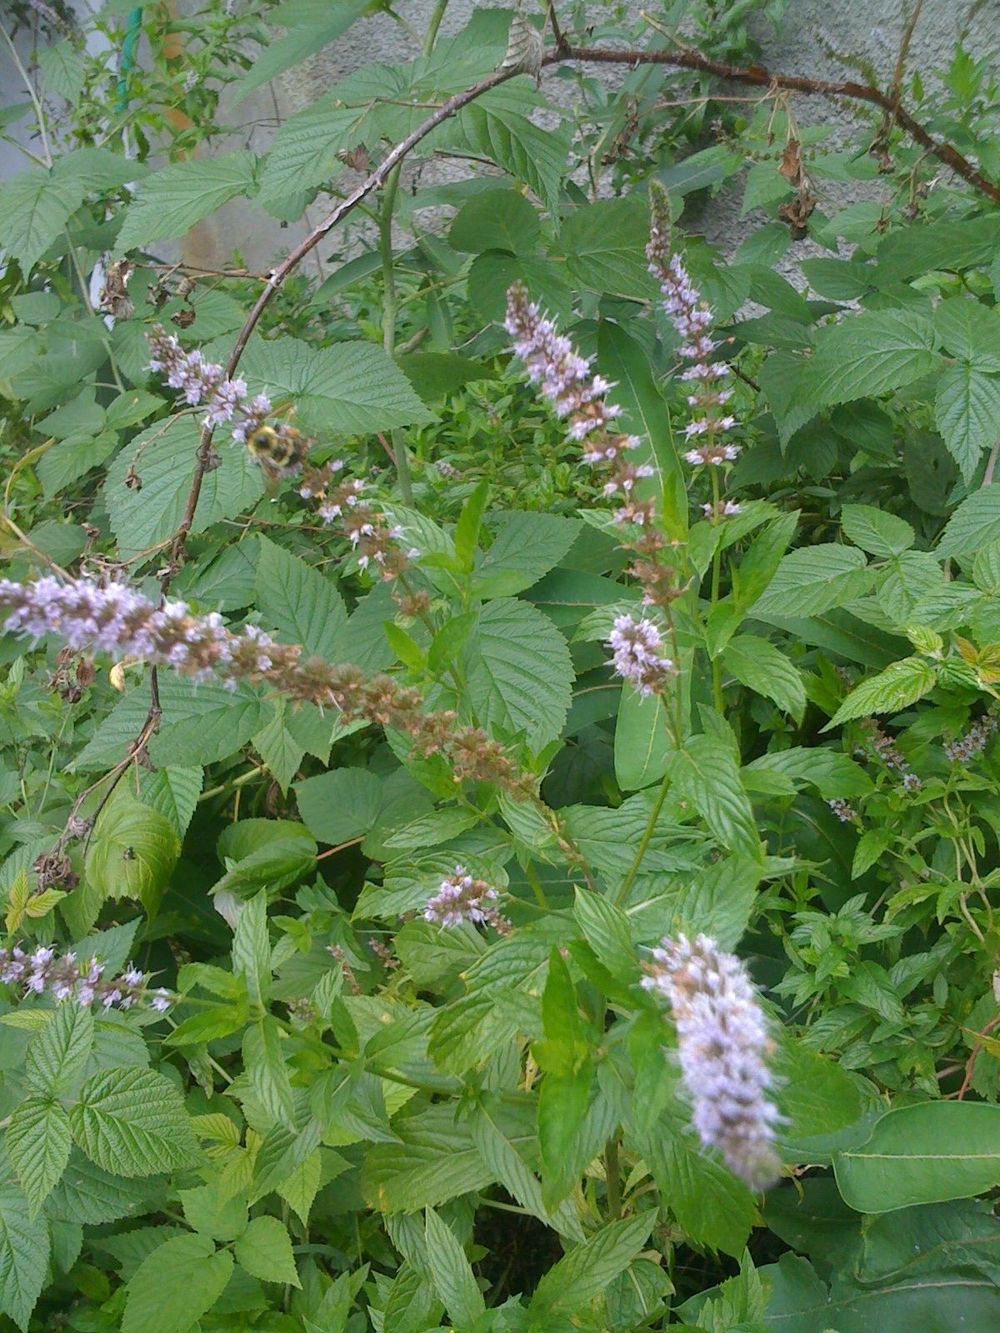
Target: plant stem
647,838
531,875
389,311
612,1173
717,694
432,27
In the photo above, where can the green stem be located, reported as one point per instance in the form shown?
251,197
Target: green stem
390,308
531,875
432,27
647,838
717,694
612,1173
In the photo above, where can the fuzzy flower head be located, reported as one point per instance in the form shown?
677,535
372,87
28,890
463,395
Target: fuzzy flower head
722,1046
64,977
460,898
637,649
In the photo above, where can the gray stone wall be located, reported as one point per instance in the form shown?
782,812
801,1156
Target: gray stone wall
867,27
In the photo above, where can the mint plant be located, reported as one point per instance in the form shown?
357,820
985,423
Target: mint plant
499,743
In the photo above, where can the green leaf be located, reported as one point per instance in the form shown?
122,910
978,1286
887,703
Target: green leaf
173,792
208,1210
265,1251
435,1161
317,26
969,330
642,741
496,127
59,1054
172,1288
645,414
706,773
132,1122
519,672
38,1142
765,669
451,1272
132,852
604,245
867,354
435,375
605,928
467,528
525,547
966,410
278,747
815,578
891,690
63,69
495,220
91,1196
875,531
353,384
162,459
973,525
299,603
710,1204
571,1284
169,202
252,949
24,1256
922,1154
339,805
35,206
508,1167
832,774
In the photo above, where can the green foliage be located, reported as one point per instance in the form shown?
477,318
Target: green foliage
342,1114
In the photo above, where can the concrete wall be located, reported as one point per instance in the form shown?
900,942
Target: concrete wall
856,26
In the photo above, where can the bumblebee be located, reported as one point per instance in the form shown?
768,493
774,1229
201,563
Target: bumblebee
279,450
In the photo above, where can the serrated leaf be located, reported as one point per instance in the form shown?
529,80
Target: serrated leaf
435,1161
354,385
132,852
572,1283
519,672
278,748
59,1054
339,805
451,1272
496,127
304,39
38,1142
163,459
495,220
36,205
173,792
252,949
814,579
891,690
92,1196
765,669
604,244
24,1256
966,410
706,773
299,603
875,531
132,1122
169,202
265,1251
867,354
172,1288
973,525
525,547
606,930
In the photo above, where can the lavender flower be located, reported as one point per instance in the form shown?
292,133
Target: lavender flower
692,318
845,813
637,648
464,898
723,509
973,742
565,378
722,1046
119,621
890,755
64,978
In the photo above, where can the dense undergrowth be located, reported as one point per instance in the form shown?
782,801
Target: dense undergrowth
497,747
